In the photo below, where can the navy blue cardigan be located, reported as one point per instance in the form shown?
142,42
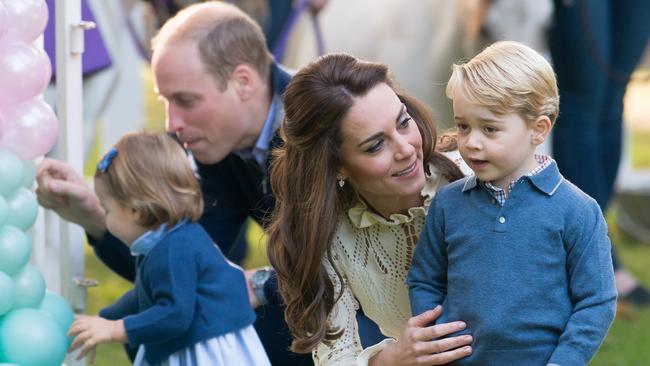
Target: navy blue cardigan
185,292
233,189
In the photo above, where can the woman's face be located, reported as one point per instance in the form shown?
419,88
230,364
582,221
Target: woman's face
381,148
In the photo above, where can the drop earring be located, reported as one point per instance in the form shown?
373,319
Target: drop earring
341,182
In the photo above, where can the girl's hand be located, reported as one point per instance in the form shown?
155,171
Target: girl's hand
419,344
89,331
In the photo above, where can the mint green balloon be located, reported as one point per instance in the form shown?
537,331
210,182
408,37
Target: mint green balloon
23,209
59,309
30,337
29,287
7,293
4,211
15,248
11,171
29,168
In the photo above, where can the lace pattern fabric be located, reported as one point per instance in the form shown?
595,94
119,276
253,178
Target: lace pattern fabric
373,255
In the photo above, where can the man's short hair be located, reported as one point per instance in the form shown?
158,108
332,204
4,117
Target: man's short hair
226,37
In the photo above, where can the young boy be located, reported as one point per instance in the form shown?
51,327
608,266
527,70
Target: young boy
515,250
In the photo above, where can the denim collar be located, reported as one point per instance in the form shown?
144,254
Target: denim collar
148,240
261,148
280,77
259,152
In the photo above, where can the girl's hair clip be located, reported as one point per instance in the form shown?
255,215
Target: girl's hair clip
106,161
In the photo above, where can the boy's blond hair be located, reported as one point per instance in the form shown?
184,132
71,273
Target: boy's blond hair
508,77
225,36
152,175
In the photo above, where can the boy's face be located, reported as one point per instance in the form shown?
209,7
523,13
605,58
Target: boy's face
498,148
120,221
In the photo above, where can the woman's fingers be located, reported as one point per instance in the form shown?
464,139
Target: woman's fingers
424,319
446,357
446,344
439,330
430,345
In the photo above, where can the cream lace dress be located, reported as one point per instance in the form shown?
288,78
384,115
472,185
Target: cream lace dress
373,255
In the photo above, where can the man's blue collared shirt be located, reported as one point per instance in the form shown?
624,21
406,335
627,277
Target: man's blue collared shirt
260,150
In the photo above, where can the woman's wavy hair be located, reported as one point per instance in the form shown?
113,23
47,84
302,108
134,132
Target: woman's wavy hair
308,199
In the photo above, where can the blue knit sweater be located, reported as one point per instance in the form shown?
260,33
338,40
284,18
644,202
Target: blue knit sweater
185,292
533,279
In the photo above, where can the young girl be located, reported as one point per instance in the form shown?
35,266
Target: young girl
189,305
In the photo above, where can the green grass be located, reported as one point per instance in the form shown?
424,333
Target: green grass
640,141
111,287
629,336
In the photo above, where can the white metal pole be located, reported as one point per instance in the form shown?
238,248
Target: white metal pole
69,48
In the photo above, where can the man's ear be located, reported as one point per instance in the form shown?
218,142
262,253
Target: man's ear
243,80
541,128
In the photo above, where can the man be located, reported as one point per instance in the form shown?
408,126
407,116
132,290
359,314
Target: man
221,90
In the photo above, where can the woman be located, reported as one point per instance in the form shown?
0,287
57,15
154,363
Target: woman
353,182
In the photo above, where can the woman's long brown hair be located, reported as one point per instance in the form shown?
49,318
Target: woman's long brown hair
303,178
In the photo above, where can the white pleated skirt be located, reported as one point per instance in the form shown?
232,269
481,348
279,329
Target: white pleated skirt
242,347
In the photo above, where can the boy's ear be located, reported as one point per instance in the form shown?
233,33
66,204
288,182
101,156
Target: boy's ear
541,128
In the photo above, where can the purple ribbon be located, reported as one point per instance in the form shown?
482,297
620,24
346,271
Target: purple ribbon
280,47
95,56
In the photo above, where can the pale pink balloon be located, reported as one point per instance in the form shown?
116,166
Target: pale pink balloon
31,129
2,126
25,71
3,20
26,19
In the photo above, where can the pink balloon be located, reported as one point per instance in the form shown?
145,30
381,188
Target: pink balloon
31,129
2,125
25,71
26,19
3,20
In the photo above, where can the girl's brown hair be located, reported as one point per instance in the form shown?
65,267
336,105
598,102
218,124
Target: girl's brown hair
308,200
152,175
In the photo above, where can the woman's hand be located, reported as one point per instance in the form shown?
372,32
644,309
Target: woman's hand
89,331
419,344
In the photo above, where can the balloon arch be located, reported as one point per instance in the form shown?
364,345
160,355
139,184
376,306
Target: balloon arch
33,321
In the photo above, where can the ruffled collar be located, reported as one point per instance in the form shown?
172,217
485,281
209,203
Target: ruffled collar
362,217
